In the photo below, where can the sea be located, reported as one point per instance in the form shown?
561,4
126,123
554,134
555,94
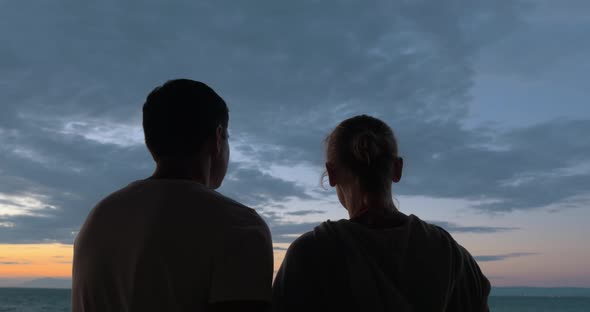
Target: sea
58,300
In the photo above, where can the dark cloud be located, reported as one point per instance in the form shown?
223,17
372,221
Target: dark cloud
253,187
73,78
82,172
286,232
304,212
13,262
503,256
454,228
72,201
487,165
565,25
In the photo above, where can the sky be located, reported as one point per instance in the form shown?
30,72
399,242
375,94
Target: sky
488,99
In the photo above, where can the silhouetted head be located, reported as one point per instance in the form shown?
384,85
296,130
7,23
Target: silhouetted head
186,119
362,158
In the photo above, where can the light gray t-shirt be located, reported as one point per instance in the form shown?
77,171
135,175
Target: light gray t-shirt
170,245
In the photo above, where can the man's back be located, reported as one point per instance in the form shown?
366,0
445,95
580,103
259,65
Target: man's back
170,245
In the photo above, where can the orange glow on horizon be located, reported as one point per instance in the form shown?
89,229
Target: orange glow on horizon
279,251
35,260
548,269
55,260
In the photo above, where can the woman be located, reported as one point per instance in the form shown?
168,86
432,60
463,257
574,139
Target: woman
380,259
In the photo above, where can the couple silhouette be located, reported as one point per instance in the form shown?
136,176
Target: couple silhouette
172,243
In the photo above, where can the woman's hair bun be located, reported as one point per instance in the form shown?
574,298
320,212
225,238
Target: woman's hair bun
365,148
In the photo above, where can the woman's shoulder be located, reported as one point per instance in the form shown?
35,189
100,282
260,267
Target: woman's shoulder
303,255
305,243
314,241
435,238
429,230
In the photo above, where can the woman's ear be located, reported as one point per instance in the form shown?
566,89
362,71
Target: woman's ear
331,174
398,166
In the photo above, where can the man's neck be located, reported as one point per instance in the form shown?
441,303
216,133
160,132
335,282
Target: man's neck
182,169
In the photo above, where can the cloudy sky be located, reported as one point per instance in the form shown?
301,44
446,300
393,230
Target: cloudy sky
489,101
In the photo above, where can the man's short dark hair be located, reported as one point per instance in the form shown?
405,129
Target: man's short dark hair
180,115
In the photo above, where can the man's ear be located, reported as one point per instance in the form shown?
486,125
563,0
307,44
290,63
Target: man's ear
331,174
219,138
398,166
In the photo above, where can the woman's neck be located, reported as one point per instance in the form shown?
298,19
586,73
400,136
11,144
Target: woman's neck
375,204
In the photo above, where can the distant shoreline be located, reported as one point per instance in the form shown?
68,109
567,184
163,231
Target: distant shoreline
524,291
34,288
528,291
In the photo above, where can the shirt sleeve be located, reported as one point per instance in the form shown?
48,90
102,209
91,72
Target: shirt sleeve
243,264
472,288
296,287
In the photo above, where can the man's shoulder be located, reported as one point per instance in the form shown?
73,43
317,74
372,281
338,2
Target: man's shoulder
117,195
233,210
228,202
172,191
179,197
182,200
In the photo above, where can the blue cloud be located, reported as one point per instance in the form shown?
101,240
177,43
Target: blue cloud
489,258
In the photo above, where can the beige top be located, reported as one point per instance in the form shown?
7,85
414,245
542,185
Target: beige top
170,245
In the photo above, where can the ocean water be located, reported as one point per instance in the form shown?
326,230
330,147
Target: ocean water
58,300
34,300
539,304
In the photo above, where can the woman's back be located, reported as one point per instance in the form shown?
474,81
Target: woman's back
394,266
380,260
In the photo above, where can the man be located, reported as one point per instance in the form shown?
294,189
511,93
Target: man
170,242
